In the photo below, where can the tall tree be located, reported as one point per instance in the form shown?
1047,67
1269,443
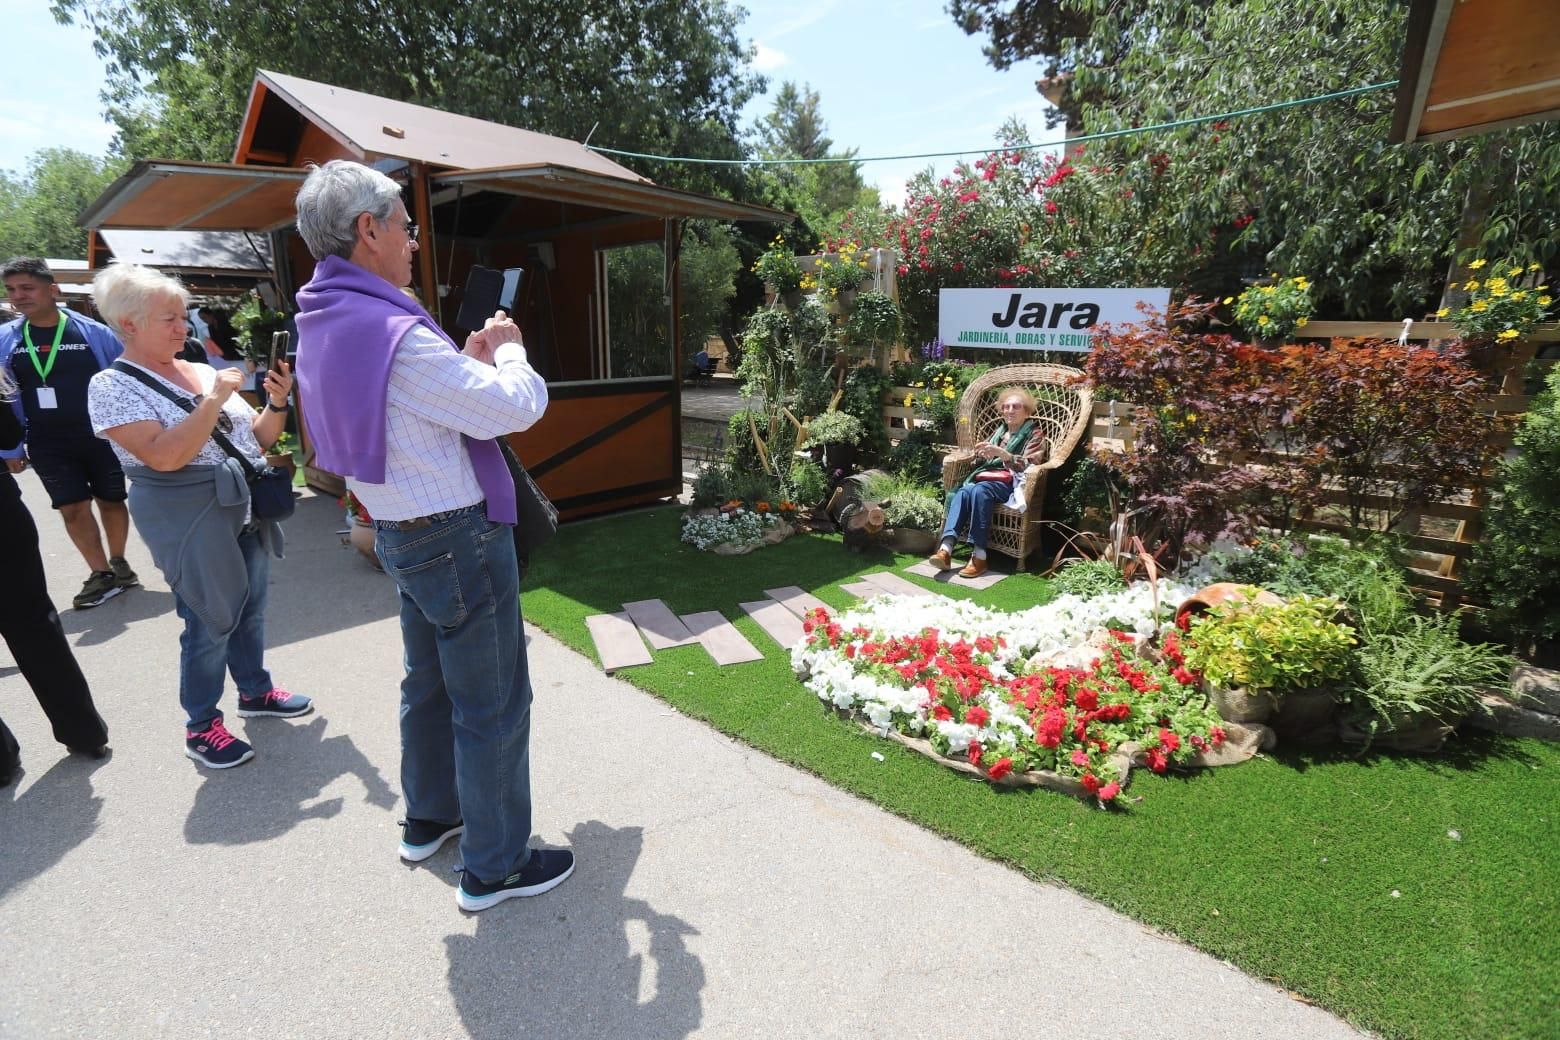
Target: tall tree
38,209
660,76
1313,190
820,193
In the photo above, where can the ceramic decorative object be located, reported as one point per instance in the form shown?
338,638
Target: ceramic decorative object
1210,596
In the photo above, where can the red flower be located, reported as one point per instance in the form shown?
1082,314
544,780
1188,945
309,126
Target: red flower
1091,783
977,716
990,174
941,713
1156,760
1169,740
974,753
1109,791
1003,767
1080,757
1050,206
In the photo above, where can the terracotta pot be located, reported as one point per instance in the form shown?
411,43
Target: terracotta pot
1241,705
1210,596
281,462
361,537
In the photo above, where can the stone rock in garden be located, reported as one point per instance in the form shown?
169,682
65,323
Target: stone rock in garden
1515,720
1537,689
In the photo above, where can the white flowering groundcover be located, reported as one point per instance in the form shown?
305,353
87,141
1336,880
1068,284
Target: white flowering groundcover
1067,695
735,531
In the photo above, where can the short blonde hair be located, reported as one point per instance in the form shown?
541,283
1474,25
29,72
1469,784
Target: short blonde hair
123,291
1019,392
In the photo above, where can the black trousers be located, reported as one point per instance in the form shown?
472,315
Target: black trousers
32,630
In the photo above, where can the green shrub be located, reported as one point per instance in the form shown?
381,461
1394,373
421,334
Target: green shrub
916,457
834,428
1089,578
711,487
1517,566
1424,669
1276,648
910,503
1368,576
808,484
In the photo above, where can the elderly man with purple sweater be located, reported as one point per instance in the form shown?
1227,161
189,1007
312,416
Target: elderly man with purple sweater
411,421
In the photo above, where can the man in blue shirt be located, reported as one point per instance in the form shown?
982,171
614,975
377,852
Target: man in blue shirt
52,354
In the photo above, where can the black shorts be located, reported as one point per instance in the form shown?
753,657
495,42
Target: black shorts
75,469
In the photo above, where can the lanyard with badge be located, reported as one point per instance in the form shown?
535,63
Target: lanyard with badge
46,398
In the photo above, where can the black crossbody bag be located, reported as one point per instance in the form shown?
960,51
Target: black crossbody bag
270,489
536,517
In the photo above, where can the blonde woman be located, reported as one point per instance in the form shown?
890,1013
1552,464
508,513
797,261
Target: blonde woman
997,478
190,500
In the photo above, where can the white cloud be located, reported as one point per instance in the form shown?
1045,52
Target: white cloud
766,58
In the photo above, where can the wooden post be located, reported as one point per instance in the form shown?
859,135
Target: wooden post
427,266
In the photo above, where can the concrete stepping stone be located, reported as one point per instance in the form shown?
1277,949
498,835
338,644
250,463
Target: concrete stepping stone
617,641
783,626
926,570
721,638
660,627
888,581
863,589
796,599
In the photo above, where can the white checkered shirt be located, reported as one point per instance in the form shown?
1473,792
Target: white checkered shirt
435,395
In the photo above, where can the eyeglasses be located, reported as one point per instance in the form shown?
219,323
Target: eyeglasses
224,420
409,226
1005,406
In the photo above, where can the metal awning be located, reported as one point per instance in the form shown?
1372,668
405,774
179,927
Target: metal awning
157,194
562,184
1473,67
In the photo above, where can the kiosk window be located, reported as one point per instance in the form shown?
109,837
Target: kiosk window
636,312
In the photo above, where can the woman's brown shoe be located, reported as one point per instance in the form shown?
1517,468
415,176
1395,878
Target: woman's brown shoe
974,569
942,559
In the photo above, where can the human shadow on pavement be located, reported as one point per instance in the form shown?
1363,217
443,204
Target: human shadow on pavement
42,823
568,965
293,765
101,623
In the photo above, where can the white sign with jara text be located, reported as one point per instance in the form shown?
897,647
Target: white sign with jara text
1037,319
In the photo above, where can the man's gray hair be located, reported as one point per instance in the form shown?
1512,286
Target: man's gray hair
332,198
122,291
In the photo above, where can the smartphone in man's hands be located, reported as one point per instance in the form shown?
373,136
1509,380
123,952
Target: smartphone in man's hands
488,290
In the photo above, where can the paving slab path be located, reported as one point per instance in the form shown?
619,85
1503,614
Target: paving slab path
719,893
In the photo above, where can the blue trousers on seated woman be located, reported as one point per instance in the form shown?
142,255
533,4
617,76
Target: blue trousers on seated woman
970,509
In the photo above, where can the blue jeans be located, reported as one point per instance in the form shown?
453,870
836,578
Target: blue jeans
971,506
205,657
466,698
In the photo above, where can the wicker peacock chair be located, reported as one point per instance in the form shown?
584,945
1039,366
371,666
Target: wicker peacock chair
1063,415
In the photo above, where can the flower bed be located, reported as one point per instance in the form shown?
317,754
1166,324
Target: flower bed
1025,698
734,528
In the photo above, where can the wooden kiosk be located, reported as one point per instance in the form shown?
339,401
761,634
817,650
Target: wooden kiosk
598,242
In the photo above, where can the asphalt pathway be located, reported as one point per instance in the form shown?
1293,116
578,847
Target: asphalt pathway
718,894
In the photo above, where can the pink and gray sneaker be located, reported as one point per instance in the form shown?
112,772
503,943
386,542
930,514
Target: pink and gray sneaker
278,704
216,748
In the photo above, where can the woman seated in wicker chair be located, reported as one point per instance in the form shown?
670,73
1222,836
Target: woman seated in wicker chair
997,479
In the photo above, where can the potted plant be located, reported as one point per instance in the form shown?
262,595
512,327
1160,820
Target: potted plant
781,270
280,454
1271,312
1417,683
1252,655
1503,306
912,511
833,436
839,275
874,322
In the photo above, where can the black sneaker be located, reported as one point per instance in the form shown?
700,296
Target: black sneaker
422,838
124,577
543,872
277,704
99,587
216,747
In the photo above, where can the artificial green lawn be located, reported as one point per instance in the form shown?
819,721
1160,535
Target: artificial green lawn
1285,866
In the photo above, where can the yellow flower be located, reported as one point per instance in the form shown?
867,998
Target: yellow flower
1543,301
1516,272
1479,305
1508,334
1534,267
1262,320
1301,322
1270,289
1471,286
908,399
1476,265
1519,296
948,393
1443,312
1191,417
1229,299
1451,285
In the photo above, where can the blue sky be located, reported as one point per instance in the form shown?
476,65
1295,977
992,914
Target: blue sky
894,77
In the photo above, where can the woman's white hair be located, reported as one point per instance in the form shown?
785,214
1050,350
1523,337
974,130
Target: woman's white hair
332,198
122,291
